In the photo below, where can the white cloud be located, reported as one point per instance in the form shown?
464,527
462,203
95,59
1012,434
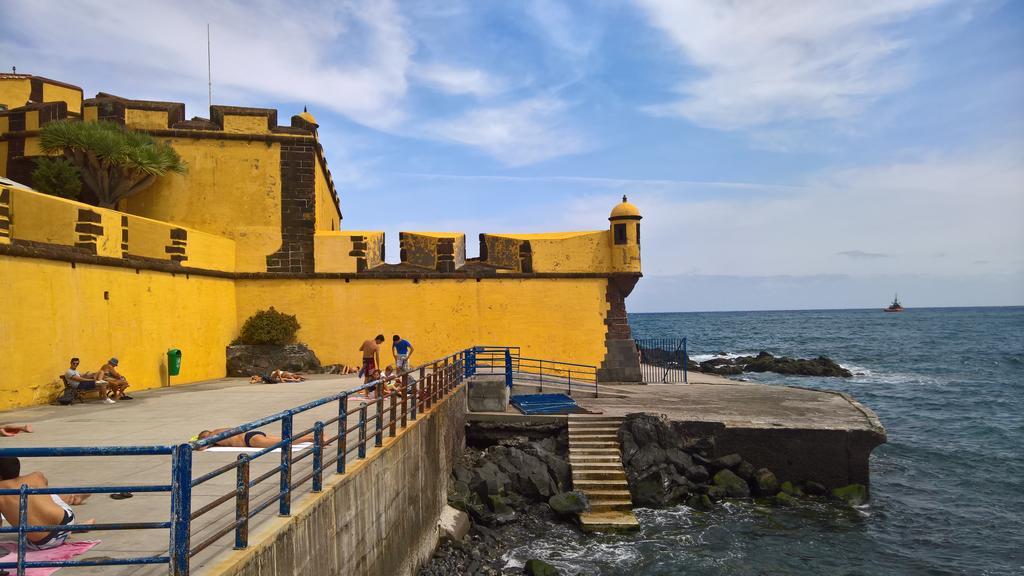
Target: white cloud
523,133
349,57
456,80
965,207
771,61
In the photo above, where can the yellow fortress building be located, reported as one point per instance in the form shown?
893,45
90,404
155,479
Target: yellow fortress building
256,222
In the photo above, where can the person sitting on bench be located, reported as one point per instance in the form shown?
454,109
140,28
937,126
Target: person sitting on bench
78,382
115,381
251,439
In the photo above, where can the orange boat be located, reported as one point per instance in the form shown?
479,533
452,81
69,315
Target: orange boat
895,306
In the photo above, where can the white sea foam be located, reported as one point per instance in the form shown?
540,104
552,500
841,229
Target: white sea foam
727,355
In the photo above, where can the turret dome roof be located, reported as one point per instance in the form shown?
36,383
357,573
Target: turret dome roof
625,210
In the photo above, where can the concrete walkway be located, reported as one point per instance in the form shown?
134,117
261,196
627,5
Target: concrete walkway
711,398
164,416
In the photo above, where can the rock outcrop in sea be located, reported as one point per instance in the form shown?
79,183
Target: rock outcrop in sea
765,362
665,466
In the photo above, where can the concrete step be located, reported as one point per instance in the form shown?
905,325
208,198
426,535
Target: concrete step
584,419
606,492
586,458
585,484
616,465
599,443
575,429
611,506
598,475
608,521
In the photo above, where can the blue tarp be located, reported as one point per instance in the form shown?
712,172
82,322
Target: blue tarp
543,403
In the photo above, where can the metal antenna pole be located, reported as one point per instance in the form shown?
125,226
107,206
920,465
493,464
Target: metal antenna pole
209,68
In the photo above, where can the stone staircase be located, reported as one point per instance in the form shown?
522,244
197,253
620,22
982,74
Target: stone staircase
597,472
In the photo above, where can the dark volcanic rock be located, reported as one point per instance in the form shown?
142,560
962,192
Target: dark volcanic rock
728,461
569,503
765,362
765,483
540,568
247,360
733,485
697,474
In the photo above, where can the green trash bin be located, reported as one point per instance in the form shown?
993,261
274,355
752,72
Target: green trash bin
173,362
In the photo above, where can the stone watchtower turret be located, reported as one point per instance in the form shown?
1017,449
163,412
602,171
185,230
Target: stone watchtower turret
625,237
622,360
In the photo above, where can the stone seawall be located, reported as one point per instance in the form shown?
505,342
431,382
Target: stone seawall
378,518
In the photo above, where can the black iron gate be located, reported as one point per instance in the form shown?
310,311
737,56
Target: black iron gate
663,359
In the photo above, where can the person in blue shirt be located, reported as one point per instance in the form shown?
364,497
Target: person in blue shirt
402,350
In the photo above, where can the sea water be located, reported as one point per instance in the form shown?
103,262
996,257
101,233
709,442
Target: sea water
947,488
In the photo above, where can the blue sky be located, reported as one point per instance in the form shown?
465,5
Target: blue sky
785,154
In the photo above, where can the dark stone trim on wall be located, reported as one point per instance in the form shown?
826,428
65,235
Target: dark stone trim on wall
622,360
62,253
298,211
5,213
89,227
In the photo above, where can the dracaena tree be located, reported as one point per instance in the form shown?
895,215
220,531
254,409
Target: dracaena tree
115,163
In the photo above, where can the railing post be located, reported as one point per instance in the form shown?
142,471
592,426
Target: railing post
414,399
318,456
342,433
470,362
508,367
284,506
378,422
570,381
686,378
436,388
422,384
362,430
181,509
446,381
541,376
242,502
22,523
405,400
393,422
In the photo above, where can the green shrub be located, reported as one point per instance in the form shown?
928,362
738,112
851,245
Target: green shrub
57,177
268,327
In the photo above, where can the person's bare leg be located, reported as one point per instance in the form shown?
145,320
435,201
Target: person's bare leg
42,510
268,441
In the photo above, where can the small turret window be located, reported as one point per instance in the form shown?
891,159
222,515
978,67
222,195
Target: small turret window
620,233
637,232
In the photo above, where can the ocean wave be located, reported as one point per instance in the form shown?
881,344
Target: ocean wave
728,355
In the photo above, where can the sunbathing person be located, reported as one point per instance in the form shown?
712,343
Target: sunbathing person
276,377
43,509
283,376
115,382
251,439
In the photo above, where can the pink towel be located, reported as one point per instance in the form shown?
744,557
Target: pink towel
65,551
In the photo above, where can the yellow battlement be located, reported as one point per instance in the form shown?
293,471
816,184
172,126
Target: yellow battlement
58,226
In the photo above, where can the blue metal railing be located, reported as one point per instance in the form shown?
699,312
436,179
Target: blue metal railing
393,405
395,402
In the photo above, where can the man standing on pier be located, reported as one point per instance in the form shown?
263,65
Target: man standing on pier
371,357
402,350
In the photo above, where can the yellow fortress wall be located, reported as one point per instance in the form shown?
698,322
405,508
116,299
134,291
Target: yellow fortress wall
439,316
53,311
254,223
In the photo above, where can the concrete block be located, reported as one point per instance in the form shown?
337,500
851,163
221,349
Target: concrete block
453,524
488,393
